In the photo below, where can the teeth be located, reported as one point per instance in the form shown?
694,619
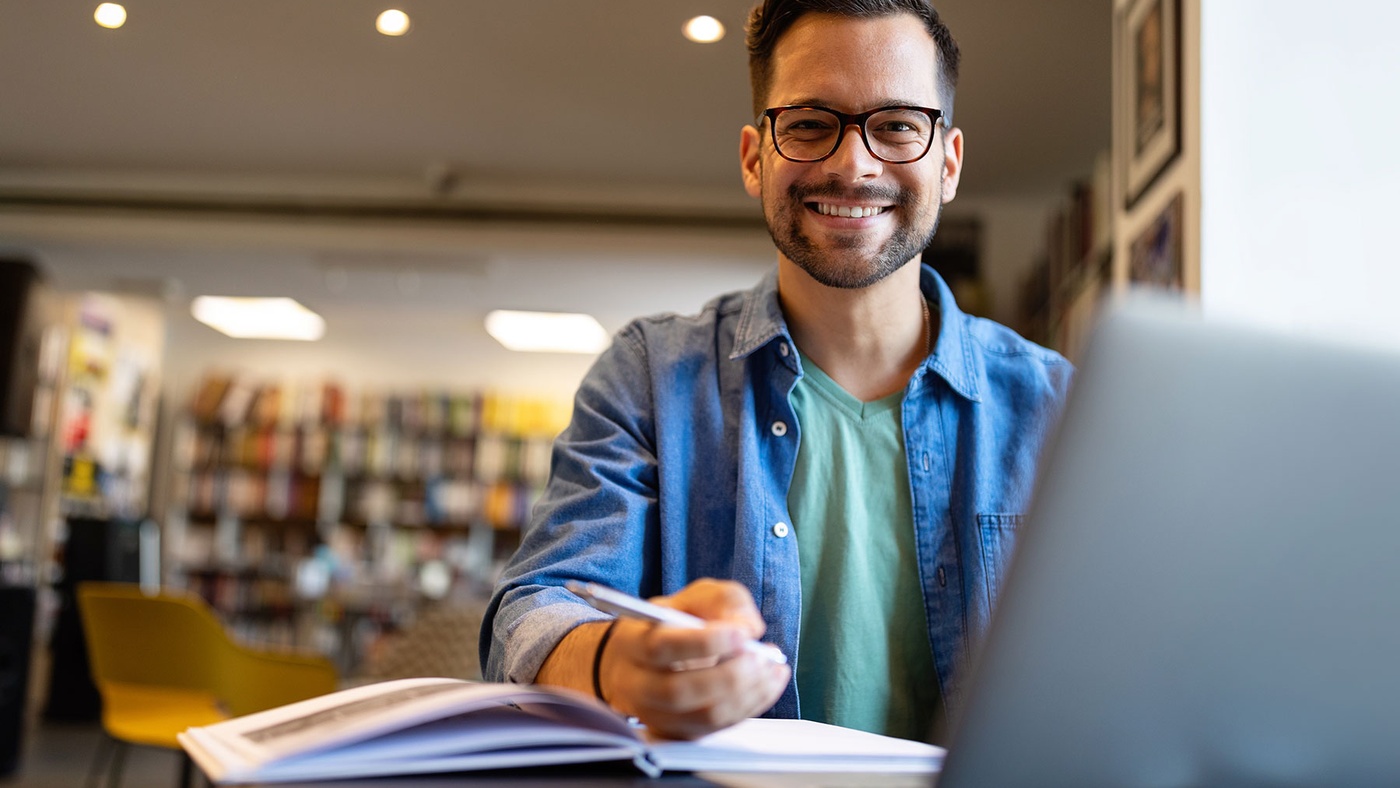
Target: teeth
848,211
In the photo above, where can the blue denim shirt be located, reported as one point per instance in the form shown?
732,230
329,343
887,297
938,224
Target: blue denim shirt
677,462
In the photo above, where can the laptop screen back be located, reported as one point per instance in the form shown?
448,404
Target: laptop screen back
1207,590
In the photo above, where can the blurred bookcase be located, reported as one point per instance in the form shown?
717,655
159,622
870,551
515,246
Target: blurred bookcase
314,516
1061,293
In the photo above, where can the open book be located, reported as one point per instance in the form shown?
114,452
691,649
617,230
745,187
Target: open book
443,725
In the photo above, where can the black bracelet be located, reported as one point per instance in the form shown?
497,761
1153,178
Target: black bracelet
598,660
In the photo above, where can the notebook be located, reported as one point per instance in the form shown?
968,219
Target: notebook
434,725
1207,589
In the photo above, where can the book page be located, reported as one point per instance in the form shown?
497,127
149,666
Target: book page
497,737
356,715
799,779
499,728
758,745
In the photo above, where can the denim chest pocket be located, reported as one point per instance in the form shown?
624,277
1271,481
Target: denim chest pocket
998,533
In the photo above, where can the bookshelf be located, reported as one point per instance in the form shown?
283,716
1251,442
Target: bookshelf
314,516
1061,293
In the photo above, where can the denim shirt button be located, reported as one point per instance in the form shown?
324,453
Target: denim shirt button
783,349
942,578
779,428
925,461
780,530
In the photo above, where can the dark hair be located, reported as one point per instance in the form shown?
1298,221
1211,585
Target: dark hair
771,18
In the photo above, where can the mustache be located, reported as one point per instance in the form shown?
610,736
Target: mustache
801,192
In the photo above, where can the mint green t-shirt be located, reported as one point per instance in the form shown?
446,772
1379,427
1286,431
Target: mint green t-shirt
863,658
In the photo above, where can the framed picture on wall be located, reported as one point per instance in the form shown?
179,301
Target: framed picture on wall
1148,62
1155,257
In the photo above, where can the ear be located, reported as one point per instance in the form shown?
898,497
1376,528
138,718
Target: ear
750,162
952,163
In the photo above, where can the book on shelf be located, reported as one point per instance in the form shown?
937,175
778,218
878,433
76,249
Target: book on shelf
416,726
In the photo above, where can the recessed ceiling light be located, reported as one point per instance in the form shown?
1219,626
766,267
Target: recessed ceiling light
546,332
259,318
110,15
392,22
703,30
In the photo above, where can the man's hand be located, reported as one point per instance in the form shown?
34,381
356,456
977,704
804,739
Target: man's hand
682,683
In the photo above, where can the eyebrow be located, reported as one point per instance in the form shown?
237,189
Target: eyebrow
813,101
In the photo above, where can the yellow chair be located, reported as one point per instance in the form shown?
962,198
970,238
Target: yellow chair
163,663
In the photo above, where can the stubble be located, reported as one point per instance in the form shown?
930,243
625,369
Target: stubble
845,262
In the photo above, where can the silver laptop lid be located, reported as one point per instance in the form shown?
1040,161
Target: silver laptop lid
1207,590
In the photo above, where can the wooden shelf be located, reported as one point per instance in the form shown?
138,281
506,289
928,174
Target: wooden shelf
349,505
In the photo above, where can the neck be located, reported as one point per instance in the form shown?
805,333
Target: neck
869,340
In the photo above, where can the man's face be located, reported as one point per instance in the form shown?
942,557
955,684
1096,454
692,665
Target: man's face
852,65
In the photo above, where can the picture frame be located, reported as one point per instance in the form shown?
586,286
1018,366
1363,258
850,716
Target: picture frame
1148,62
1155,257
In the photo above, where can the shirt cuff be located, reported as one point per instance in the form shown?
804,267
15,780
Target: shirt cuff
537,632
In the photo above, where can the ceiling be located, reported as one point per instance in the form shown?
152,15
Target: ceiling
539,96
530,154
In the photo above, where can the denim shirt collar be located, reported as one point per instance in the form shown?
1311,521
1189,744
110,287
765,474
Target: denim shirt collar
761,319
954,358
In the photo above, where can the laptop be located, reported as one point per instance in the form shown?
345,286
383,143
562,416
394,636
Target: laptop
1207,589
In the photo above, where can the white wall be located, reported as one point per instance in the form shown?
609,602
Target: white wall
1014,232
1300,164
385,331
399,341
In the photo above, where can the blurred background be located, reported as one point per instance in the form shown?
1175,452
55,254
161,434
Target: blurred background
551,156
402,176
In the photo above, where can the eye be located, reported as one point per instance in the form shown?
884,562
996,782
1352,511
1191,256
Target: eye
806,124
901,121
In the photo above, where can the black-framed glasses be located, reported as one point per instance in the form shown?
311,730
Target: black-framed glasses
895,135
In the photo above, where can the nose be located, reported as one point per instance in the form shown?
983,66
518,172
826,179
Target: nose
852,160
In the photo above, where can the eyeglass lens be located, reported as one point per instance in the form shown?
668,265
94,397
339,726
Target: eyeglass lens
895,135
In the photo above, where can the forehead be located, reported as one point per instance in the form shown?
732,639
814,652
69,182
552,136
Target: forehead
855,64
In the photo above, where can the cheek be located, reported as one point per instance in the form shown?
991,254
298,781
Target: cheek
930,183
776,180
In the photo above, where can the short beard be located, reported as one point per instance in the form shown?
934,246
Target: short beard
829,269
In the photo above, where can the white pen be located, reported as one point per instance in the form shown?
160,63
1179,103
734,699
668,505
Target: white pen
619,604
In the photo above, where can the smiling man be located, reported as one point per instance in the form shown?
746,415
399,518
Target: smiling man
846,451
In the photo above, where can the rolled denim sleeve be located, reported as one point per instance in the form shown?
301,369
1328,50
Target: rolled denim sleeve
596,521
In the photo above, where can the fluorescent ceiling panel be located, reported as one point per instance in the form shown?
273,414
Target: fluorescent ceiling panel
259,318
547,332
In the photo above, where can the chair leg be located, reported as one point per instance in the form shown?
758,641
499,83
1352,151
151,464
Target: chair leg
114,774
99,758
186,770
118,750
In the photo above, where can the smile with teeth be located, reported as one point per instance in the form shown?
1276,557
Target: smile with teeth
849,211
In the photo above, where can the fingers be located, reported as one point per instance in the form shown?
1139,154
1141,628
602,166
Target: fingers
691,703
734,620
719,600
684,683
666,648
739,706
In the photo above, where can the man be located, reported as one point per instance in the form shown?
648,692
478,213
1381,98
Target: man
841,443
